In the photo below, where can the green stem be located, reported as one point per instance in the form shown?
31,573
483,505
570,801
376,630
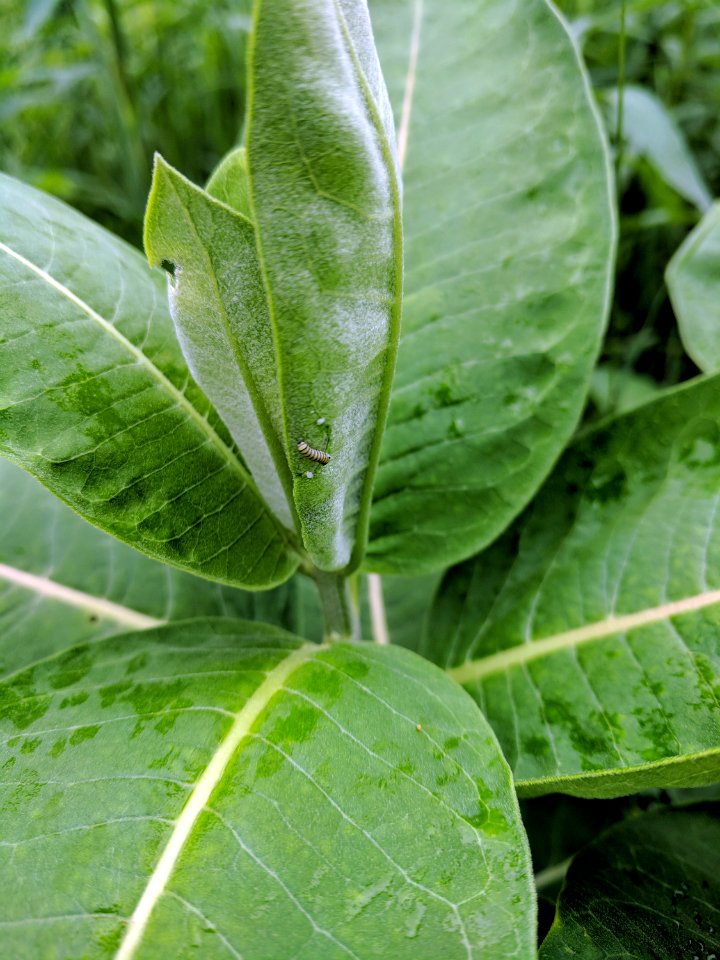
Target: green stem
111,48
340,608
376,603
119,46
620,98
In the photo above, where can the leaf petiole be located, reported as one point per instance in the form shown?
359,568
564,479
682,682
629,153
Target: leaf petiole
340,607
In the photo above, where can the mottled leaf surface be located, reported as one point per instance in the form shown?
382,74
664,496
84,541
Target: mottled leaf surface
649,887
694,288
96,400
509,237
590,633
219,789
63,581
325,200
217,302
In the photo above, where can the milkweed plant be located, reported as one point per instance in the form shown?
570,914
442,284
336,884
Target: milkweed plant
352,582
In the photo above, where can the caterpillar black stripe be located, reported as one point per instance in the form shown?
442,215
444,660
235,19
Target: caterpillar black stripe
310,453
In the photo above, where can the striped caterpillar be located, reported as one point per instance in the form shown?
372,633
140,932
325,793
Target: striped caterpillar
310,453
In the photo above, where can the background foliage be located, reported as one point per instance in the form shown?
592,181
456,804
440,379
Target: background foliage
89,89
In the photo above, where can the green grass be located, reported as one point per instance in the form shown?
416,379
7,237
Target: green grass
89,89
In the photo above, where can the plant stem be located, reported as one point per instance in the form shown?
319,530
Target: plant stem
551,875
620,98
111,50
377,609
340,608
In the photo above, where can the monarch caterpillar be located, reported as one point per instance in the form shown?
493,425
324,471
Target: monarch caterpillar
319,456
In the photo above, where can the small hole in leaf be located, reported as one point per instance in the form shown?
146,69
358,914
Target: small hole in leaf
170,268
93,618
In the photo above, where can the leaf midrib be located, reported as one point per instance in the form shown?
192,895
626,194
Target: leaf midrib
410,78
473,670
100,606
201,792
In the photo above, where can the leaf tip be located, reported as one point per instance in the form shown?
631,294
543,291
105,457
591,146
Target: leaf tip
161,169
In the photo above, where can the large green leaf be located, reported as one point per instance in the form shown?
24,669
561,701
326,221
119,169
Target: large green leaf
590,633
649,887
325,199
694,287
219,789
97,401
63,581
509,237
218,305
